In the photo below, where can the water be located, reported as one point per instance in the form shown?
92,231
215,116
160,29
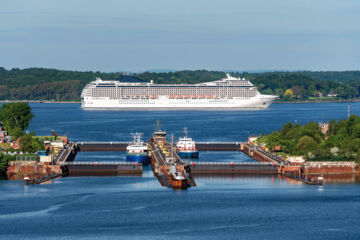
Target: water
238,207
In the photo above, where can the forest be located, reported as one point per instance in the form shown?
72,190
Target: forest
61,85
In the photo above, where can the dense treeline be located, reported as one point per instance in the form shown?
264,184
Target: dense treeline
182,76
59,91
294,86
341,142
343,76
59,85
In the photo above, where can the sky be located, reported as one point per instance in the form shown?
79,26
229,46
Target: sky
140,35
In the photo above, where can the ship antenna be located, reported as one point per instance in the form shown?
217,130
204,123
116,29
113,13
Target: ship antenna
172,145
185,132
136,137
157,126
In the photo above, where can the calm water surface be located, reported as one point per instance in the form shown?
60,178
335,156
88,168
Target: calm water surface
238,207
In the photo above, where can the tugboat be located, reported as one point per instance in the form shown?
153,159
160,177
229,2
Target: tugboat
186,147
178,181
137,151
174,172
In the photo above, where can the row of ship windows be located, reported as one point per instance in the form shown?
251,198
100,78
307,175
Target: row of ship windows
173,91
101,96
171,102
144,94
174,103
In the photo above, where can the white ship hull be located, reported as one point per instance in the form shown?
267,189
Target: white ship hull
260,101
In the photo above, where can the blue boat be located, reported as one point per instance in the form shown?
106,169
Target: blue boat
137,151
189,154
186,147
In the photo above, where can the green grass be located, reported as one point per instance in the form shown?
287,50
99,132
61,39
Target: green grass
323,98
49,138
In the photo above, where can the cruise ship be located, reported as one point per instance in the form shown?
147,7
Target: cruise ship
226,93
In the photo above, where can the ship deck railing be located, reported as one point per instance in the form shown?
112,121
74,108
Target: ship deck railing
102,143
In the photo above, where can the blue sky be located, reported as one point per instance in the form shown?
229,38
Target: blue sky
138,35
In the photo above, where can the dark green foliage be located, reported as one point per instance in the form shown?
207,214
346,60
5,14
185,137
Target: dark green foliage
182,76
341,142
26,143
15,117
4,160
59,85
30,144
37,144
306,85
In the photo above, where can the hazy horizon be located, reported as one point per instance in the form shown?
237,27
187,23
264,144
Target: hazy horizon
172,70
127,36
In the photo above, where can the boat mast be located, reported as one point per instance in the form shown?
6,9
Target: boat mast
172,144
185,132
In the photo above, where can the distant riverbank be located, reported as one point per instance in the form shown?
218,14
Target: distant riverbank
38,101
278,101
320,101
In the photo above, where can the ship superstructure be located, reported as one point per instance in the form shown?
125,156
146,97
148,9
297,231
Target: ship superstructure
137,150
186,147
229,92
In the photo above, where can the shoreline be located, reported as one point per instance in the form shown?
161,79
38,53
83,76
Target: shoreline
276,102
312,101
37,101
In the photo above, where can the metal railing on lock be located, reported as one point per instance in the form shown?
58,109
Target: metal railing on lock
27,158
220,143
99,163
272,156
231,163
82,143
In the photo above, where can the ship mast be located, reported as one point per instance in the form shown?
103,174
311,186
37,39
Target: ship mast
185,132
157,126
172,146
137,138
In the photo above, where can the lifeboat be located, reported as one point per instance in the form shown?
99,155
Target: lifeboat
209,96
179,96
172,96
186,96
216,97
202,96
194,96
153,97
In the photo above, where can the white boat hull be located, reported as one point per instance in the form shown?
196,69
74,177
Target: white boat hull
260,101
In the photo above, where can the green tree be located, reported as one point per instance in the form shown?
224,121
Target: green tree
4,162
26,143
279,92
288,94
37,144
306,144
16,132
342,142
311,91
15,116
